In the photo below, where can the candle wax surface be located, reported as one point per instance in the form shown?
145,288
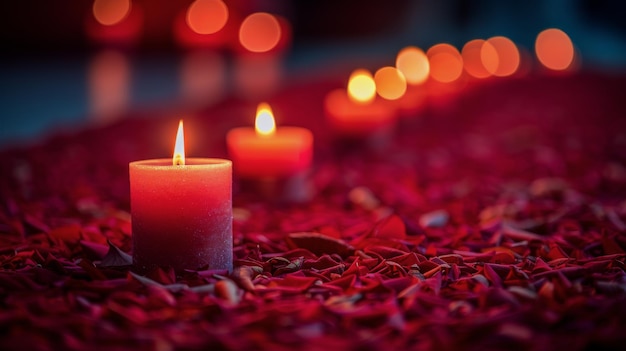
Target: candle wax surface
182,215
351,118
288,151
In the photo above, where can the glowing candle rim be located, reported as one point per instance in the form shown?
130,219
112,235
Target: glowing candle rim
191,163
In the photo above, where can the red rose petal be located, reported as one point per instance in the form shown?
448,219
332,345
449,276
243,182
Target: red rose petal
319,244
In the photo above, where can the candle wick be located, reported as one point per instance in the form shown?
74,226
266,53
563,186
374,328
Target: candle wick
178,160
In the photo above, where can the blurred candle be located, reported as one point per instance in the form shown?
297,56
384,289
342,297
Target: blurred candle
413,63
266,151
356,112
446,75
182,211
114,22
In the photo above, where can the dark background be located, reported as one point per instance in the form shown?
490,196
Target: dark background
46,49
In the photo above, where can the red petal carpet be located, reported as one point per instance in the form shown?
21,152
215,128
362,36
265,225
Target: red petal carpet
495,219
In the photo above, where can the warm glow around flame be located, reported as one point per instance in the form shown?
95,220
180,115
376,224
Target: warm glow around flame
110,12
264,123
179,147
207,16
361,86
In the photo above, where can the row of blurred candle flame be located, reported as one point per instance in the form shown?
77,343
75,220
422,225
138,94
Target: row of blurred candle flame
260,33
204,24
497,56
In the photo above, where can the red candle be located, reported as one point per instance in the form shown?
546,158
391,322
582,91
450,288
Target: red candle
269,152
356,112
182,211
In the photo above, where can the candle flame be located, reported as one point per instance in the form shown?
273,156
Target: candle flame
179,147
361,86
264,123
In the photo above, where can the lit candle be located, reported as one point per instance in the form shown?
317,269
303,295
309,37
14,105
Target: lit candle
182,211
269,152
356,112
414,65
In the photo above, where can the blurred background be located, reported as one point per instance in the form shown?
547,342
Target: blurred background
72,63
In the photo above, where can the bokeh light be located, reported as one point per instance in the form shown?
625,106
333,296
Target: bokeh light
472,61
390,83
259,32
207,16
500,56
361,86
554,49
413,63
446,63
110,12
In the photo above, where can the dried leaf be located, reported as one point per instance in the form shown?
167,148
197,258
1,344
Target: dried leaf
116,258
319,244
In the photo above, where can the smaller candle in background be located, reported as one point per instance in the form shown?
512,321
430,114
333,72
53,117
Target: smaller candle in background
447,76
182,212
267,150
355,112
413,63
272,160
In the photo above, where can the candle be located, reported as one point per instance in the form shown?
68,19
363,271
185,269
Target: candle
182,211
269,152
356,112
414,65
